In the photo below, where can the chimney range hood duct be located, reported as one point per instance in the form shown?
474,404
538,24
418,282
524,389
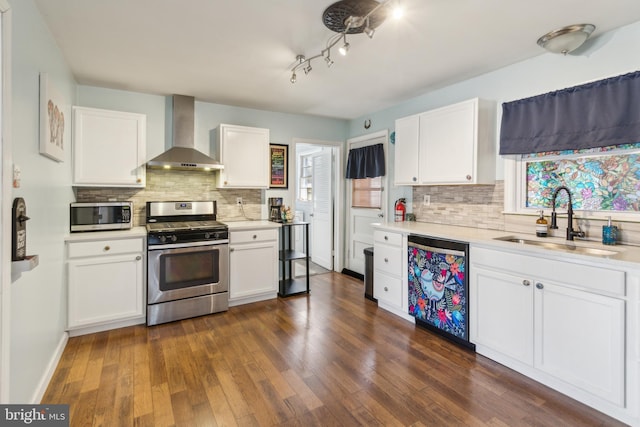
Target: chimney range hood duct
183,155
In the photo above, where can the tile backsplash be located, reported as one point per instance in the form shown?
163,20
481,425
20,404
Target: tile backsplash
478,206
167,185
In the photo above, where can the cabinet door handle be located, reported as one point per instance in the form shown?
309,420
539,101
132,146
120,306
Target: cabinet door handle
526,282
138,258
386,289
414,179
139,180
107,248
255,236
468,177
231,249
386,237
380,215
386,260
539,285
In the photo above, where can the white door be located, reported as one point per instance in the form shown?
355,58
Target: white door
360,220
322,215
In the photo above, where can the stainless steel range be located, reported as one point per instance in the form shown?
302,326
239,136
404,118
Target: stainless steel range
187,259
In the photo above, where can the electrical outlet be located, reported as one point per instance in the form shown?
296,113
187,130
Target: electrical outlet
427,200
238,200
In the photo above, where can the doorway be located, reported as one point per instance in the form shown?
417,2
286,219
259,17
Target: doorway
361,214
316,189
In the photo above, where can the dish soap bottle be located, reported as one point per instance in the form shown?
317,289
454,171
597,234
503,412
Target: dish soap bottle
541,226
609,233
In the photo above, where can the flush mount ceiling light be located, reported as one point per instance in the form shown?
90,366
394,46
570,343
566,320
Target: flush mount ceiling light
346,17
566,39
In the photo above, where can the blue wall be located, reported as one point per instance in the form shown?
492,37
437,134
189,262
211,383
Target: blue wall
38,297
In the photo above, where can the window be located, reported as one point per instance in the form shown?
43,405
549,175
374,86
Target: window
601,180
366,193
305,182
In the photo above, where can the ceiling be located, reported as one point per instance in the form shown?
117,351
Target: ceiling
240,52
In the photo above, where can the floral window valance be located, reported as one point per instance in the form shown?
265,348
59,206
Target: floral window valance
596,114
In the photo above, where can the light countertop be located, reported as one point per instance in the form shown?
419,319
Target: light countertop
250,225
84,236
625,255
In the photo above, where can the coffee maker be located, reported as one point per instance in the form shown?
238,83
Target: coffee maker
275,209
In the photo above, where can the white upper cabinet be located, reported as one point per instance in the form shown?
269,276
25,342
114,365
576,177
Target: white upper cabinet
407,148
109,148
450,145
244,152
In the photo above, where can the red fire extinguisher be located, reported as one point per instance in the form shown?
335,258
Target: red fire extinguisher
400,210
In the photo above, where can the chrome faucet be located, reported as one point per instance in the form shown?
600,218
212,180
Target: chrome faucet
554,223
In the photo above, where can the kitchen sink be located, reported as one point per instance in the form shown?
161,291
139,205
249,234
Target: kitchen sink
569,246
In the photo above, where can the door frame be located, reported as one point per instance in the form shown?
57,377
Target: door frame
385,185
6,164
338,198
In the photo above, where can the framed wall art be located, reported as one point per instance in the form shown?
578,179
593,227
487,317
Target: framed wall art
278,154
54,123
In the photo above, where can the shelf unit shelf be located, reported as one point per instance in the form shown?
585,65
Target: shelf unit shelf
288,284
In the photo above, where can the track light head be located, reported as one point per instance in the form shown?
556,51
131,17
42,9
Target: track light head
308,68
345,47
293,78
328,60
368,30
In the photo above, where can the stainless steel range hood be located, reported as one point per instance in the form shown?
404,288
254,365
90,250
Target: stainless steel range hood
183,155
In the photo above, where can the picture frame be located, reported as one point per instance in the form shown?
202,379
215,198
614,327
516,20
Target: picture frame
279,160
55,123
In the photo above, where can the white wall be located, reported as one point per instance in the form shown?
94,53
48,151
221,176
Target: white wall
38,297
610,54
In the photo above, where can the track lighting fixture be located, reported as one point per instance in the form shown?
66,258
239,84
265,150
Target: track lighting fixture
347,17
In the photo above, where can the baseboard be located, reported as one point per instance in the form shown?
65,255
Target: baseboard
51,369
352,274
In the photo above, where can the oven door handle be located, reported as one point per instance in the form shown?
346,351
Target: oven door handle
189,245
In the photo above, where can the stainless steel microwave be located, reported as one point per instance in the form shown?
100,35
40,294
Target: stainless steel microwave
100,216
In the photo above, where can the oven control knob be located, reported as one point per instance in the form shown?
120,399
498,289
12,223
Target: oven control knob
207,235
174,238
163,239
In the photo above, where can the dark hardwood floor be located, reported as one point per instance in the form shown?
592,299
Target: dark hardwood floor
331,358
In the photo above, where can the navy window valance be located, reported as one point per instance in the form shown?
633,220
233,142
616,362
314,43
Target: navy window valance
366,162
597,114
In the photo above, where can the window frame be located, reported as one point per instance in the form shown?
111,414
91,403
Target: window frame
515,191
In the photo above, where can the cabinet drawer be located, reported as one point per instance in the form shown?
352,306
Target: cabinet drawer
387,289
393,239
387,259
250,236
598,279
105,247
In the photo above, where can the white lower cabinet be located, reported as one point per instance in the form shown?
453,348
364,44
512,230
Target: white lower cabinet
253,265
579,338
389,276
562,323
105,284
509,327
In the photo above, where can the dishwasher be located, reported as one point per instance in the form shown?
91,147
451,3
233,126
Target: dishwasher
439,286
